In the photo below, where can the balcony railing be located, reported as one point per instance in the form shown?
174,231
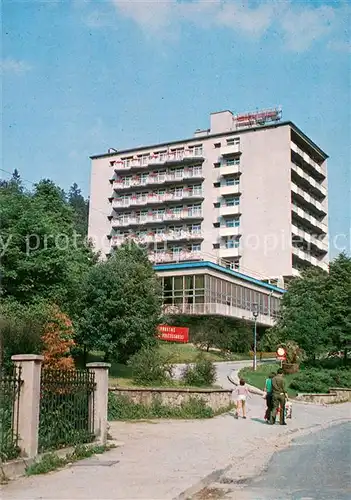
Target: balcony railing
158,237
315,223
155,179
157,217
308,160
309,238
230,150
159,257
157,159
155,198
306,257
306,198
317,188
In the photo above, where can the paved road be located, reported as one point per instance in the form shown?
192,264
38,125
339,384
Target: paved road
314,467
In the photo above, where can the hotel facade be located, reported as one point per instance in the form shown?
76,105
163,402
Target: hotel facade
249,195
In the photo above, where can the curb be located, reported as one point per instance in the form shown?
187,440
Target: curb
203,483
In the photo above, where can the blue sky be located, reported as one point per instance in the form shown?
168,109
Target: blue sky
82,76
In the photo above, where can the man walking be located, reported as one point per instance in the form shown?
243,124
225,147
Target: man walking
279,397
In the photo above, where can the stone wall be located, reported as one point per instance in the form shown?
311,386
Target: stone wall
335,395
215,398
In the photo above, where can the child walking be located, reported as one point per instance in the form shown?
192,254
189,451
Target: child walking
242,393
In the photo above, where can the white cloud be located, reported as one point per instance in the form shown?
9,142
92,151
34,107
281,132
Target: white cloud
304,26
14,66
298,24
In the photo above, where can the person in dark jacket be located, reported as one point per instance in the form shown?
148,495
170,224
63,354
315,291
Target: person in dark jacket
279,397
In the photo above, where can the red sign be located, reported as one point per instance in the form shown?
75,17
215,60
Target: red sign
173,333
281,354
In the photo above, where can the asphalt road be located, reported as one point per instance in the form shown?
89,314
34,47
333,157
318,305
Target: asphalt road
315,467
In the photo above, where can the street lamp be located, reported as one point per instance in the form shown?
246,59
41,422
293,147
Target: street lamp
255,315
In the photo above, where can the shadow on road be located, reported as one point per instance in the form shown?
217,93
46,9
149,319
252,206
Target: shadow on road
259,420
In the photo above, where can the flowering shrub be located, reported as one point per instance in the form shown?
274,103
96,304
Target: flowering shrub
58,342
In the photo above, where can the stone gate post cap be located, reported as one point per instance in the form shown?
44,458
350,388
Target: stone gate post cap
99,364
27,357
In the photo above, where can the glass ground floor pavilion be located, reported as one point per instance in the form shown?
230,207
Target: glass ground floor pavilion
205,288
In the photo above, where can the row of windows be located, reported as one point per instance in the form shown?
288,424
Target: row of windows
196,150
209,289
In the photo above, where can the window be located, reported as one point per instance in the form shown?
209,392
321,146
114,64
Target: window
232,202
197,171
232,181
195,228
196,248
217,145
232,161
215,245
233,141
216,184
235,222
196,150
232,243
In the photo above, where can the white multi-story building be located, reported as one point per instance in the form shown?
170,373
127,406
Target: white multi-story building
250,193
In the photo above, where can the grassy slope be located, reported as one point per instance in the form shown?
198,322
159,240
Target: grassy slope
258,378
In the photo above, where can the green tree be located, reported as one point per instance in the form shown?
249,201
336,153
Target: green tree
120,304
216,331
339,302
81,209
40,254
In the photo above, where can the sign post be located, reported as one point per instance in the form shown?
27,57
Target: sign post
281,355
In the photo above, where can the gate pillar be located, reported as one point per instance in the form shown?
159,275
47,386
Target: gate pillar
100,399
28,403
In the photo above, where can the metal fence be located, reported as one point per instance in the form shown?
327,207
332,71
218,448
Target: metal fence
66,408
10,386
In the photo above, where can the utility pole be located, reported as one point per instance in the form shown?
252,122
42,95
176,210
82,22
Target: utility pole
255,315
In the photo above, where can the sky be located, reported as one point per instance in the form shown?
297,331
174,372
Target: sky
81,76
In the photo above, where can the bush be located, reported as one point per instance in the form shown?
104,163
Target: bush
121,408
150,366
201,373
316,380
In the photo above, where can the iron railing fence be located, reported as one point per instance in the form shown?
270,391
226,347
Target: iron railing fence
66,408
10,387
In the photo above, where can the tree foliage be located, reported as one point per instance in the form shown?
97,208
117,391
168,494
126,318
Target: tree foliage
58,341
81,209
120,304
41,256
216,331
316,310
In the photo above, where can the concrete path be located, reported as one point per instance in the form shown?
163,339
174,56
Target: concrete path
173,459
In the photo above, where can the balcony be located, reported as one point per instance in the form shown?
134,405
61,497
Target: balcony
229,252
321,246
308,182
163,257
152,218
214,309
313,223
305,199
229,210
155,199
315,169
305,257
156,179
229,170
229,231
227,190
233,149
152,237
170,158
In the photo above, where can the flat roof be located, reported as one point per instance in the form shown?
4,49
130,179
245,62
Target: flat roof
221,134
216,267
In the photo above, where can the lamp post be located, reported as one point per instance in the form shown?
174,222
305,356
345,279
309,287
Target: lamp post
255,315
